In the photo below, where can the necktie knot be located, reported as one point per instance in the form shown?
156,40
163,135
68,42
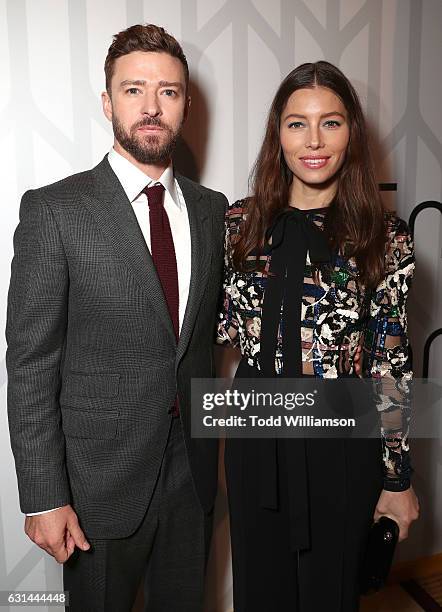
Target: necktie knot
154,195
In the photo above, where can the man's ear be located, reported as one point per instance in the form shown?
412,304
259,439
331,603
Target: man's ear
187,108
107,105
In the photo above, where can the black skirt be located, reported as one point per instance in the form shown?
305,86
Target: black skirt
344,481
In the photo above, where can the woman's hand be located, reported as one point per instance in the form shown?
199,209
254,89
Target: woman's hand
401,506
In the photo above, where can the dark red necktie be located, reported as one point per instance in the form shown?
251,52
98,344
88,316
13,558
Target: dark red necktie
163,255
163,251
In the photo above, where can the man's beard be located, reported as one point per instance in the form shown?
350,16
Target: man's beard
146,149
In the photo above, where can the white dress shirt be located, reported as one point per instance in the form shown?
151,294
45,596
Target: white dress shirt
133,181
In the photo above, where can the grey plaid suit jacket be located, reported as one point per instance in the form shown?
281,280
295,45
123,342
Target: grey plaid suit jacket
93,364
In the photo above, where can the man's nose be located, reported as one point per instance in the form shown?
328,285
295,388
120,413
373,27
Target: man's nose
151,105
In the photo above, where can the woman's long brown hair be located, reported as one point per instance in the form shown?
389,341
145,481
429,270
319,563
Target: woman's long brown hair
355,222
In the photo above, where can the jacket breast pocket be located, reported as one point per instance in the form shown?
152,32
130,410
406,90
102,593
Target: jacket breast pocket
89,405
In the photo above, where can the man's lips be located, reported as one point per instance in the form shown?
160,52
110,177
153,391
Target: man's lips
150,128
315,162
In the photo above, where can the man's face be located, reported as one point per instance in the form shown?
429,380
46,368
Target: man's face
147,106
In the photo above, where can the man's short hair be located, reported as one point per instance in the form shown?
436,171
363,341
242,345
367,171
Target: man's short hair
148,37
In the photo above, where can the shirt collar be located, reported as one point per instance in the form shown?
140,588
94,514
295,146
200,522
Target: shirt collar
133,180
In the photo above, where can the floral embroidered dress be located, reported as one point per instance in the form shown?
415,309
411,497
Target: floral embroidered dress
337,314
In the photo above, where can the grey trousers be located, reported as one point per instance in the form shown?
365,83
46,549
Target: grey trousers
170,548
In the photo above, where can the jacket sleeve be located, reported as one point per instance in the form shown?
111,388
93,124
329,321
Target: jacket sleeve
387,355
35,334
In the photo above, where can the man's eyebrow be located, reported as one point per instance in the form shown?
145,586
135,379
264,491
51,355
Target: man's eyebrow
129,82
331,114
170,84
141,83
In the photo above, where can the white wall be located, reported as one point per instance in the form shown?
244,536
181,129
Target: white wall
51,75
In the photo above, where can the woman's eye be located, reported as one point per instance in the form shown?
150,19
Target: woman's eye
295,124
332,123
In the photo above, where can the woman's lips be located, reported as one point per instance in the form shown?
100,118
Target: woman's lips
314,163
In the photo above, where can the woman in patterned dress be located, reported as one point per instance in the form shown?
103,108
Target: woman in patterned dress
314,270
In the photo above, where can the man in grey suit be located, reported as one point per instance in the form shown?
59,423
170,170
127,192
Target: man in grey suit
112,303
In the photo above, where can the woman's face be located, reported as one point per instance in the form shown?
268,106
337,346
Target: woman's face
314,134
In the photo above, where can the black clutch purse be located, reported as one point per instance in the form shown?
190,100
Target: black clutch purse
379,555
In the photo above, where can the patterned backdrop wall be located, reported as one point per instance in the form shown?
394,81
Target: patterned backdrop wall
51,75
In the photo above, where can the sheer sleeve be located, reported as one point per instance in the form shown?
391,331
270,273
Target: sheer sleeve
386,355
228,325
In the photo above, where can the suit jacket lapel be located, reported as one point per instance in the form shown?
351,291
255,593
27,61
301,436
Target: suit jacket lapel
115,217
197,208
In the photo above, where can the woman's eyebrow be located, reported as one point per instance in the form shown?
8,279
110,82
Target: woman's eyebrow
330,114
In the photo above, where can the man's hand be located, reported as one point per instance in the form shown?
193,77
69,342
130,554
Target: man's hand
57,532
401,506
